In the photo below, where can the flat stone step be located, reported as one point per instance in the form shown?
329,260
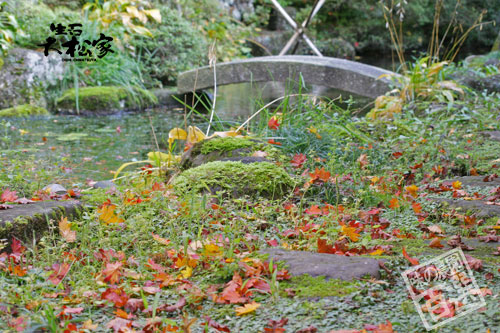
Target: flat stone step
331,266
479,207
29,222
492,135
476,181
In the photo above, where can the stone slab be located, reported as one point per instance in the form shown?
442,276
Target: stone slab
350,76
492,135
331,266
29,222
476,181
479,207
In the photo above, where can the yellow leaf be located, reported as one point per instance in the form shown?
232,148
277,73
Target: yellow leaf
107,214
195,134
212,250
187,272
412,189
177,134
158,157
376,252
457,185
87,325
65,230
350,232
247,308
154,13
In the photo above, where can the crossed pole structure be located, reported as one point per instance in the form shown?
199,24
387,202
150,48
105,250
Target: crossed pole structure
299,29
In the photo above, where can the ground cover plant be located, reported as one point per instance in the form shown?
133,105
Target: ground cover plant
146,256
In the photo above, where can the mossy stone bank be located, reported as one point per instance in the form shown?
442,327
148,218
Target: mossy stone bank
105,100
24,110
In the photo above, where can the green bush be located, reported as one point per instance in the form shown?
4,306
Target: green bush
176,46
35,20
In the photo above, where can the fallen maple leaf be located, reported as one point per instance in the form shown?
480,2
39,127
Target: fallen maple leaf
8,196
481,291
107,213
120,325
273,123
160,240
65,230
298,160
87,325
112,272
363,161
394,203
412,261
417,208
436,243
212,323
59,272
457,185
412,189
247,308
350,232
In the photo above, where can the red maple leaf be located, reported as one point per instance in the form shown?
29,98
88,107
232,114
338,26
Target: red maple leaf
298,160
320,174
116,296
59,272
273,123
8,196
112,272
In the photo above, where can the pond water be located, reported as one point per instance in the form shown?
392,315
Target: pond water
86,147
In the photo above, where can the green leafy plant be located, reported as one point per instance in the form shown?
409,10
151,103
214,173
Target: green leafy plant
8,29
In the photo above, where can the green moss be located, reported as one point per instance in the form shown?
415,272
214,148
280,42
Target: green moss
225,144
237,178
106,98
308,286
23,111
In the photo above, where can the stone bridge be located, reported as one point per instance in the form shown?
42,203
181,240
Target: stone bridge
350,76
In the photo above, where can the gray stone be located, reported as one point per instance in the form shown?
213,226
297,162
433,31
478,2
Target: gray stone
55,189
25,76
349,76
480,208
477,181
29,222
268,43
165,97
104,184
337,48
331,266
238,9
492,135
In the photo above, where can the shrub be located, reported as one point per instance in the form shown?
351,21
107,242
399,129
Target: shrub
176,46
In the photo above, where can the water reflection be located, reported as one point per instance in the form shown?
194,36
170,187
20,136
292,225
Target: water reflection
239,101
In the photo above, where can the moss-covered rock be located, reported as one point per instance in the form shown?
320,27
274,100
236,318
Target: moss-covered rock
24,110
228,149
236,178
105,100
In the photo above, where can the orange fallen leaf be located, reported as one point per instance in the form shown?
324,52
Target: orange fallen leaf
457,185
350,232
412,189
65,230
394,203
436,243
107,214
247,308
412,261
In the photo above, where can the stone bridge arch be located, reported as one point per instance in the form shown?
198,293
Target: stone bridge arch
350,76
